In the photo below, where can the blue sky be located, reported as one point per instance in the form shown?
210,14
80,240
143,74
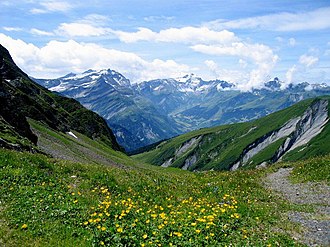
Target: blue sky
245,42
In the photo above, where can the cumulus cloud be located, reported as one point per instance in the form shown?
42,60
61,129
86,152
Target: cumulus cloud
58,58
233,76
308,60
312,20
261,55
186,35
289,76
215,43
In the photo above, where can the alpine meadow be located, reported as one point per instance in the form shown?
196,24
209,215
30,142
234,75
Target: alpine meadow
186,123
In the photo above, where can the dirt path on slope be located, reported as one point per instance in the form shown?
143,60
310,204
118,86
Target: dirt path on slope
316,225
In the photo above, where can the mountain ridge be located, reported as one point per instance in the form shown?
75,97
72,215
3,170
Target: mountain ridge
21,98
144,113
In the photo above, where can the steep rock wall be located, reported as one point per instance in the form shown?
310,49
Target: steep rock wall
299,131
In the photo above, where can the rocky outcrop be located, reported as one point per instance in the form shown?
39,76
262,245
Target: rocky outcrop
299,131
167,163
185,147
311,124
189,162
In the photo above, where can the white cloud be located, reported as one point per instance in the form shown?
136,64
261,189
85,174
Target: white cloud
262,56
158,18
186,35
313,20
38,11
218,43
292,42
52,6
289,76
80,30
95,19
308,60
58,58
38,32
90,25
233,76
12,29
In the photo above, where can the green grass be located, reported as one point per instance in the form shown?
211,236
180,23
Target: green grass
222,146
47,202
8,133
314,169
82,149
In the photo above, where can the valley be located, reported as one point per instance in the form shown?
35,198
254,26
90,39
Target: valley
298,132
65,180
147,112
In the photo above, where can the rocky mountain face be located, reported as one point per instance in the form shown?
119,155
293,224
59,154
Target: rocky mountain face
144,113
21,98
297,133
133,118
300,131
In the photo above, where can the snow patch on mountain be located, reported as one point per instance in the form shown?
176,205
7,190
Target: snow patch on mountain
72,134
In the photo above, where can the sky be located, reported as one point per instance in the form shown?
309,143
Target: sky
243,42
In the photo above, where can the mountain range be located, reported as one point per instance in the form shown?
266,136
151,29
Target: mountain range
35,119
143,113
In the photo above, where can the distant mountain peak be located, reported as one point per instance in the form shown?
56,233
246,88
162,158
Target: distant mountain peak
189,79
89,71
275,84
70,75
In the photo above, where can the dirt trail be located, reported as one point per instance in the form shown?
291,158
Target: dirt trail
316,225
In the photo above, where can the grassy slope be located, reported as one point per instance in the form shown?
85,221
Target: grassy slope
10,136
61,203
83,149
225,142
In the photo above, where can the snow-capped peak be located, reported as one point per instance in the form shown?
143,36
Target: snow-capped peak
189,78
89,79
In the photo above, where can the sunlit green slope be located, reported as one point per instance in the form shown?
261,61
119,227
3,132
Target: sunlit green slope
280,135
